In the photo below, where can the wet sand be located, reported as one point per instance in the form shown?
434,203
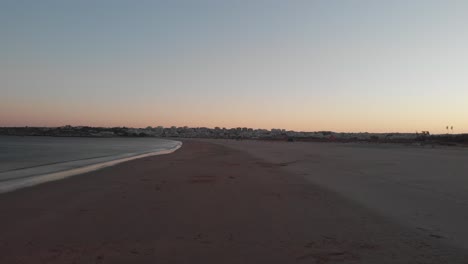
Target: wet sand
206,203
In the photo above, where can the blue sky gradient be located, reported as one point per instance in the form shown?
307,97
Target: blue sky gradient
303,65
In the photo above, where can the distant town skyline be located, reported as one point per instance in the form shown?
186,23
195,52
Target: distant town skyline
344,66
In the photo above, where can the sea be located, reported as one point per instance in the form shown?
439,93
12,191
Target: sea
27,161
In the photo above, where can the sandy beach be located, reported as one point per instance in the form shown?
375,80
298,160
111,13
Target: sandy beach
422,187
215,202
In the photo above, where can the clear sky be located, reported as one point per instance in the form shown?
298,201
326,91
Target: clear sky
377,66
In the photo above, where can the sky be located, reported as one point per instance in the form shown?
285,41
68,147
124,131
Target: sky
347,66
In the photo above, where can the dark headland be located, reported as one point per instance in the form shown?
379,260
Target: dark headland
239,133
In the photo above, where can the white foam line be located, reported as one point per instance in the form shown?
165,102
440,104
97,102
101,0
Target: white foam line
35,180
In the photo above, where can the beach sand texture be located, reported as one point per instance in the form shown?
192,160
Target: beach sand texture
205,203
425,188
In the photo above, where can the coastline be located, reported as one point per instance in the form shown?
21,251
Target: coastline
205,203
28,177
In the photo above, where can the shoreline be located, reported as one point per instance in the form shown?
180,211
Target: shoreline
205,203
15,183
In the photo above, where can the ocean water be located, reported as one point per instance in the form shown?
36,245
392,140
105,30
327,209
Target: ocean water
27,161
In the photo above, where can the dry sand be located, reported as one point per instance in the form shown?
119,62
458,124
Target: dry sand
424,188
206,203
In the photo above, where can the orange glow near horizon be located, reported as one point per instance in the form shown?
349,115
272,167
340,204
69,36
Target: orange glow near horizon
48,114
